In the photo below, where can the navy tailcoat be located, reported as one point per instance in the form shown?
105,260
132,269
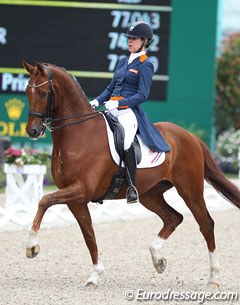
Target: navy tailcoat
132,83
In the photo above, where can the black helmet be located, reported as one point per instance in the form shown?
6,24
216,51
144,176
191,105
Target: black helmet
140,29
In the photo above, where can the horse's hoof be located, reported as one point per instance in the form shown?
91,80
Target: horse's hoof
91,285
33,251
161,265
213,285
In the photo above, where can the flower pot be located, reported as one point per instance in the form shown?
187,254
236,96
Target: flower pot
24,184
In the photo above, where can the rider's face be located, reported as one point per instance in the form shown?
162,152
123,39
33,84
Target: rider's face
134,44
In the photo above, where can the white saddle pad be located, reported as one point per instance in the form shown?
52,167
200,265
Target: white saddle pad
149,157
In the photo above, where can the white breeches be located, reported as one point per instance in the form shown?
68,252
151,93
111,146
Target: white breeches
128,120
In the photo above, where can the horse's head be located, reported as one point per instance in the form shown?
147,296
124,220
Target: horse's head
49,91
40,95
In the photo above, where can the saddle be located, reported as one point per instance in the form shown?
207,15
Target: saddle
118,135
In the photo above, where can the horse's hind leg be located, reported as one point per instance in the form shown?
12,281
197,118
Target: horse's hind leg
155,202
193,197
83,217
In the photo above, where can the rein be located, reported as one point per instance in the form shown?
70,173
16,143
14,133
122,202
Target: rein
53,128
46,116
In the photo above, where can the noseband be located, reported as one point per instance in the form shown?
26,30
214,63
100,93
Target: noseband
46,116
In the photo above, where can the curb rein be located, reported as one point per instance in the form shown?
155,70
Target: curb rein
46,116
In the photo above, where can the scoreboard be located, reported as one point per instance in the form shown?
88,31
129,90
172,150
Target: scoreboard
86,38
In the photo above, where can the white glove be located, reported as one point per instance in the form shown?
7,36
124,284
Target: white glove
112,104
94,103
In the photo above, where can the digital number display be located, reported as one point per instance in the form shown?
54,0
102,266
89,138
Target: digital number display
86,38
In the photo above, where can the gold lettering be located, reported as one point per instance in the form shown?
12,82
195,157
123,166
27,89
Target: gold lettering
12,129
3,129
23,132
12,132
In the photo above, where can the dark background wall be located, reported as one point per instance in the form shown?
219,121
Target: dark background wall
78,39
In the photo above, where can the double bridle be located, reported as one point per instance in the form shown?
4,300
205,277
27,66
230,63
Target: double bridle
46,116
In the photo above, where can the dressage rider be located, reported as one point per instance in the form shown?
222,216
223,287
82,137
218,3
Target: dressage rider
130,86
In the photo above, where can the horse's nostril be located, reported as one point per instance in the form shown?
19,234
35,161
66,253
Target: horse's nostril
32,132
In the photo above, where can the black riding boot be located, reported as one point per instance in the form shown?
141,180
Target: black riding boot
130,168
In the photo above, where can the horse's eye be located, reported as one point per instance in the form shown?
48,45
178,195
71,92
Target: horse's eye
43,94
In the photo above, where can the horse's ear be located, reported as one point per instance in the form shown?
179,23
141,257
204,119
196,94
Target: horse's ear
27,66
40,67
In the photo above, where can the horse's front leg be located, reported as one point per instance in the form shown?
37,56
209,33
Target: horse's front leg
64,196
83,217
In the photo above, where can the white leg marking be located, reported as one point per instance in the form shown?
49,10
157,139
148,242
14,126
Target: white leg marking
155,247
214,269
98,269
32,239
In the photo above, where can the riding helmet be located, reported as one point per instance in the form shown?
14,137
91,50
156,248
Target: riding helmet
140,29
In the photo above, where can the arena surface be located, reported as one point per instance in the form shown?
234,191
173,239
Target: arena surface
57,275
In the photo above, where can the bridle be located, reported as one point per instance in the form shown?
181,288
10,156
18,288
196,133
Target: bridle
46,116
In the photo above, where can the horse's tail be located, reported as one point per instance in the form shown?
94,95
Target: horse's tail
214,176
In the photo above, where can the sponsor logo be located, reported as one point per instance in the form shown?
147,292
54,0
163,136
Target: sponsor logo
14,108
14,128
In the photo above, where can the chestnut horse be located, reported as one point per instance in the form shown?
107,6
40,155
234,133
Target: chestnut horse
82,167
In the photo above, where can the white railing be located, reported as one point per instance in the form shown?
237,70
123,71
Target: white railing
20,215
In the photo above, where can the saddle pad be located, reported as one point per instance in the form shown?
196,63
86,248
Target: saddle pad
149,157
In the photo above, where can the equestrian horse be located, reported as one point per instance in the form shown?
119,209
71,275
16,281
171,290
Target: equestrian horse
82,167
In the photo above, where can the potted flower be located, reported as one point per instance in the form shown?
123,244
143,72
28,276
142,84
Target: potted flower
228,151
24,175
20,159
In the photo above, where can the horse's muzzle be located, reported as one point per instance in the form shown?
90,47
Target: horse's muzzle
35,132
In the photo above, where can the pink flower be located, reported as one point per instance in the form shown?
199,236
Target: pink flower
8,151
17,152
13,152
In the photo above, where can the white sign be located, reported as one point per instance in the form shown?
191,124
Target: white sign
15,84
